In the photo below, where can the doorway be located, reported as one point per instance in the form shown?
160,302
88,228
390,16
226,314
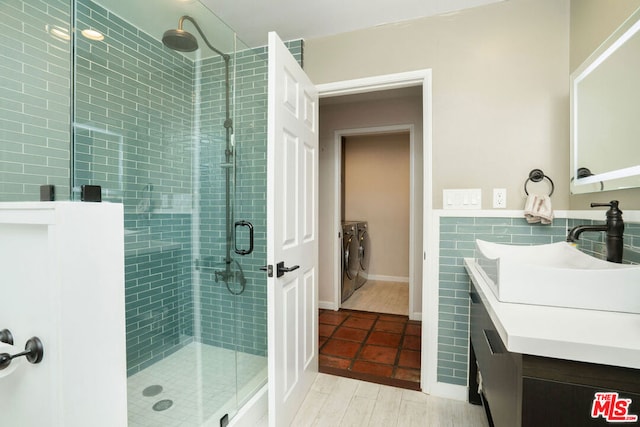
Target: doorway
375,200
379,113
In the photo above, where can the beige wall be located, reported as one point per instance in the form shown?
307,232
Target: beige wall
500,89
376,187
592,22
347,117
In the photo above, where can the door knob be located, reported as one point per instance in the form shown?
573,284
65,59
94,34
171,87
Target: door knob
281,269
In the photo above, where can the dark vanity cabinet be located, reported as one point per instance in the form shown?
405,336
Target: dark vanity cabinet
521,390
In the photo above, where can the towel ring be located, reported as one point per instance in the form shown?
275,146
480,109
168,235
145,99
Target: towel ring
536,175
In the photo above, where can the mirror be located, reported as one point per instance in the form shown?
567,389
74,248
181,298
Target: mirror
605,114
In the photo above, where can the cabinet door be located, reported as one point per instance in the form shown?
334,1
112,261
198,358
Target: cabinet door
556,404
499,369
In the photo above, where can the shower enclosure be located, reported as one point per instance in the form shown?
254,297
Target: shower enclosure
176,132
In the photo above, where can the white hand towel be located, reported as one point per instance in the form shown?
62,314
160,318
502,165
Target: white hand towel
537,208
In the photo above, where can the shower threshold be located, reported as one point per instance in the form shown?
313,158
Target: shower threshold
200,380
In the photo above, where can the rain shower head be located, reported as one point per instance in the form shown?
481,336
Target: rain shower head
184,41
180,40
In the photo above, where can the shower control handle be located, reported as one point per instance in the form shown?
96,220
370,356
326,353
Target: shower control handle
250,227
281,269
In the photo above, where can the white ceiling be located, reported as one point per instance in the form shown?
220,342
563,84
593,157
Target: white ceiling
295,19
291,19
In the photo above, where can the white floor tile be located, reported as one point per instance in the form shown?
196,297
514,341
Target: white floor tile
335,401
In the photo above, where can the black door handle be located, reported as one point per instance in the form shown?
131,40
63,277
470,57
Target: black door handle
281,269
250,226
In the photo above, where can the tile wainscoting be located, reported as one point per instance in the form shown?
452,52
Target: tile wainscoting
456,234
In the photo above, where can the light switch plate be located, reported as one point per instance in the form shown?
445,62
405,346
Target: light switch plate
466,198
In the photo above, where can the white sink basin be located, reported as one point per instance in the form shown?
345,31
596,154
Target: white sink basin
558,275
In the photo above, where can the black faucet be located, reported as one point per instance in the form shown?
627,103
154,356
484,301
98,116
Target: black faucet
614,228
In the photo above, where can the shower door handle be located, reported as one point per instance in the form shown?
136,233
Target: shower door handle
250,226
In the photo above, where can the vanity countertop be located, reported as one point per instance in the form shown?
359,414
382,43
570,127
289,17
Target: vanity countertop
603,337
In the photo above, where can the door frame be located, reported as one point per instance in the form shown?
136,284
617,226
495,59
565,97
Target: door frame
430,284
337,214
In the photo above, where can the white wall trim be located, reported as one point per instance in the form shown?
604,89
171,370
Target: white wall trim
450,391
376,130
372,84
429,303
382,278
595,214
328,305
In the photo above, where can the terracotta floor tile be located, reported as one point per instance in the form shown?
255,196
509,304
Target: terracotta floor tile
407,374
387,347
322,340
359,323
409,359
411,342
393,318
413,329
372,368
386,339
395,327
376,353
342,348
363,314
350,334
334,362
325,330
332,317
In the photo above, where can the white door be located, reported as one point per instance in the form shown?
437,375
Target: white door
292,228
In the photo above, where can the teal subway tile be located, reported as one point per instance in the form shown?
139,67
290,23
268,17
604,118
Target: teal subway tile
493,221
537,239
496,238
457,220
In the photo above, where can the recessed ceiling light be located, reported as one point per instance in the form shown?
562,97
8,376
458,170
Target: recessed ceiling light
58,32
93,34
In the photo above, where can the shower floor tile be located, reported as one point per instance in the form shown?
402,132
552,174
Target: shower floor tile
200,381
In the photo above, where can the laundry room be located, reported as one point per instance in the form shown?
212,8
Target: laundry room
371,171
375,200
370,235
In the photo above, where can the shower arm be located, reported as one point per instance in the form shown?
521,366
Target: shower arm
225,56
228,125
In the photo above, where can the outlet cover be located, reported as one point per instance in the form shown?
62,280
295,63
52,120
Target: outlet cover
500,198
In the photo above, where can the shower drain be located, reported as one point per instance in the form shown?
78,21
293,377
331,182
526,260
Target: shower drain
152,390
163,405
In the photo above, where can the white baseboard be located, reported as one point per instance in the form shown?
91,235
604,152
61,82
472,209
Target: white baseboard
382,278
450,391
328,305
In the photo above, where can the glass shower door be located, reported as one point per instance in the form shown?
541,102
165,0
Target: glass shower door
154,127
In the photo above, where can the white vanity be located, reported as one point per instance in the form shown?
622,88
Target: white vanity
542,365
